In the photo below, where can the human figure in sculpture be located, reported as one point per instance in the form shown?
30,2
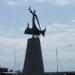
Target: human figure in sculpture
34,30
34,17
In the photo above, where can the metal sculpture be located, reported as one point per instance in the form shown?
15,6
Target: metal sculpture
34,30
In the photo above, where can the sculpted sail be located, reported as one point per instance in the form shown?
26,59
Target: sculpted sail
34,30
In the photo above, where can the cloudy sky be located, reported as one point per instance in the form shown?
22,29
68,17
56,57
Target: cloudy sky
58,16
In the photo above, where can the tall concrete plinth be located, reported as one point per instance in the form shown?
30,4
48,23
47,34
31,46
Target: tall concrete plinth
33,64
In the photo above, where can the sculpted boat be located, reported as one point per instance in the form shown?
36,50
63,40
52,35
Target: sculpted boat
34,30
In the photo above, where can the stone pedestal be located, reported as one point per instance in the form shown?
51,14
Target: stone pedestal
33,64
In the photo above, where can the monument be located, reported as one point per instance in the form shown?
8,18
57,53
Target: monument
33,64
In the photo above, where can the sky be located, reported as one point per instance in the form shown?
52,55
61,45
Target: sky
58,16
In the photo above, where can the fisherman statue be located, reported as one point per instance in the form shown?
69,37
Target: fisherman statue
34,30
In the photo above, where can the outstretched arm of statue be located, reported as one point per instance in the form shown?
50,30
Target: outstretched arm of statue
30,10
33,12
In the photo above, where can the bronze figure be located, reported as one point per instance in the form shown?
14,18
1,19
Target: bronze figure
34,30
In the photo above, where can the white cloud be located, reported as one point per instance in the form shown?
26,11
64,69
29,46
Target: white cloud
10,2
72,21
11,43
7,48
61,36
1,26
16,2
61,2
57,2
22,29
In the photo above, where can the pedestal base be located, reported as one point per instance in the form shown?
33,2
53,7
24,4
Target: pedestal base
33,64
